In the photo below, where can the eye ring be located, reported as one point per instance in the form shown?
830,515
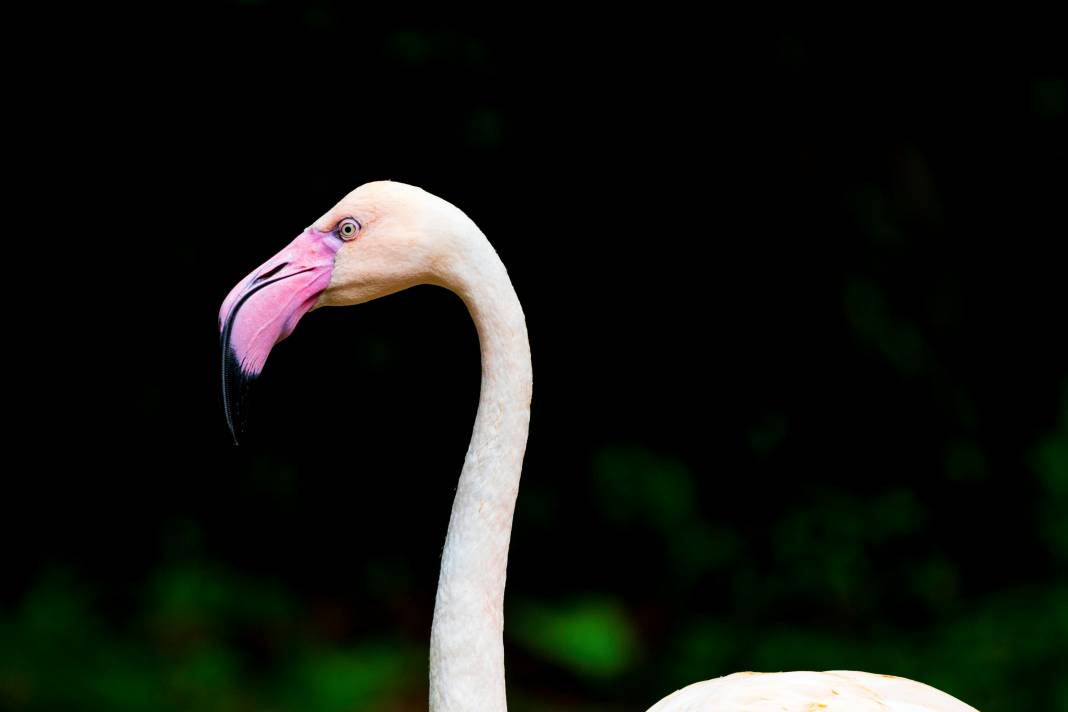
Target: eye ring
348,228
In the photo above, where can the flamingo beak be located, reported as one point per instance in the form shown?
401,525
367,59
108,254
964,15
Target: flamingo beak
265,307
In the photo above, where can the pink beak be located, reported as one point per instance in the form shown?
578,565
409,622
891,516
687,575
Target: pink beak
265,307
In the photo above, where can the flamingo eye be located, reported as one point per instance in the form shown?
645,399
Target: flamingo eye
348,228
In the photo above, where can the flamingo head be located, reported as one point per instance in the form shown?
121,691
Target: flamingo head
379,239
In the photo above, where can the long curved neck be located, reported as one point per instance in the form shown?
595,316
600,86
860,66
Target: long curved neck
466,644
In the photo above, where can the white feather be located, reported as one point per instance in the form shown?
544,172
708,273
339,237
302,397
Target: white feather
837,691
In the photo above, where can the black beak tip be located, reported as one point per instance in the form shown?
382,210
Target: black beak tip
235,384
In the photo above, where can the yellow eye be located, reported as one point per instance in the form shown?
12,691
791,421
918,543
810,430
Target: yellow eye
348,228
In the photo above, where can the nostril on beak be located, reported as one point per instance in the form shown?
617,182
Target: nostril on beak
269,273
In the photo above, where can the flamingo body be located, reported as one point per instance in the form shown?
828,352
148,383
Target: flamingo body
835,691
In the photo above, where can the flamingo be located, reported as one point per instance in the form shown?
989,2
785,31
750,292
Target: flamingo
387,236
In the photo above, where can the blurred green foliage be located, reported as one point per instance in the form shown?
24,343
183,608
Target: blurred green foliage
898,340
202,637
592,638
1051,463
198,635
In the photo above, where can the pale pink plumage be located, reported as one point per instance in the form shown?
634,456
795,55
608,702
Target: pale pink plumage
410,237
836,691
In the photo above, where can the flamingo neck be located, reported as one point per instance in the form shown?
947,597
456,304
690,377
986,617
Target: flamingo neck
466,643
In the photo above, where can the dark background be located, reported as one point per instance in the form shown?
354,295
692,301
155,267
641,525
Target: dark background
796,302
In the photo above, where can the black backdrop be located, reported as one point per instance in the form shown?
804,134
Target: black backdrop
796,310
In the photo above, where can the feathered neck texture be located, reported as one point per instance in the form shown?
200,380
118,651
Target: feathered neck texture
466,644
